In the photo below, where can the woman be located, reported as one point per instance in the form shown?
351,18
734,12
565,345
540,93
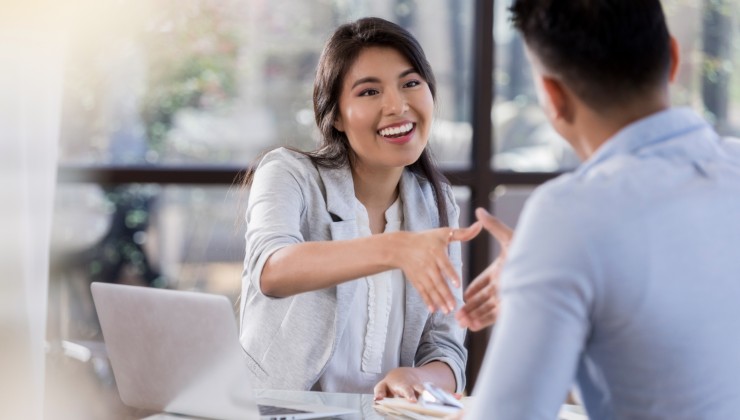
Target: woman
348,247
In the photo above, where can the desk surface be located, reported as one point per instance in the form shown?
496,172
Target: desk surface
363,403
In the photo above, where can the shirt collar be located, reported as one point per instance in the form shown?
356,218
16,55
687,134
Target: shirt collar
648,131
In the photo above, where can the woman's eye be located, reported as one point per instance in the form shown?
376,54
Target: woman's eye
369,92
412,83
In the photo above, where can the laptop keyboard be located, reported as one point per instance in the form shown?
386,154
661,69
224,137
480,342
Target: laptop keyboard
270,410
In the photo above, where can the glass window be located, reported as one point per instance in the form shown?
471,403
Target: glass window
707,33
462,197
705,30
217,82
524,141
179,237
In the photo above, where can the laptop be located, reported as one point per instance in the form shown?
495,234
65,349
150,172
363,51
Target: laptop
178,352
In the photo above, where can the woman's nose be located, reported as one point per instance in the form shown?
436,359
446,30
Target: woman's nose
394,103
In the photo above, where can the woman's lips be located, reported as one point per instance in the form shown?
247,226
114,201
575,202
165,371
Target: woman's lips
398,138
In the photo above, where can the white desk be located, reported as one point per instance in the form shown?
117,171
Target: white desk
363,403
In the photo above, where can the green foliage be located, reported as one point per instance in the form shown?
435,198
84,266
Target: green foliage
192,63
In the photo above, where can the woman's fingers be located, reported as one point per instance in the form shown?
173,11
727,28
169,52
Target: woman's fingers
437,283
467,233
385,389
405,391
428,300
433,289
424,284
448,270
429,268
418,388
381,390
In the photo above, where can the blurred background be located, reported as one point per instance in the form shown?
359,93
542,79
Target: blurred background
167,102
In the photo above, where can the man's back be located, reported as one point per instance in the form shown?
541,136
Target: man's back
627,273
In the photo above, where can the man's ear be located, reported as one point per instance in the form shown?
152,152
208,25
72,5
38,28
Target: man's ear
556,98
338,124
675,59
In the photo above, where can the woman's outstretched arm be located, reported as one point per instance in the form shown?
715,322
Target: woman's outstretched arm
422,256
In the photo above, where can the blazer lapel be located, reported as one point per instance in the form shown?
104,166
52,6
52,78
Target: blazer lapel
416,217
340,196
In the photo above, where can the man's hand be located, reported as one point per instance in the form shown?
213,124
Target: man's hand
481,297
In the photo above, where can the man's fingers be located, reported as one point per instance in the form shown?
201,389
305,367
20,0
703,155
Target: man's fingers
486,306
498,229
482,301
489,275
479,317
479,324
478,283
462,318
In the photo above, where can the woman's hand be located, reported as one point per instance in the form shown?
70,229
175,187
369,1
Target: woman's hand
408,382
424,260
481,297
400,382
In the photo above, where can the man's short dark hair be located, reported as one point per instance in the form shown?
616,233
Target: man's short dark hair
608,52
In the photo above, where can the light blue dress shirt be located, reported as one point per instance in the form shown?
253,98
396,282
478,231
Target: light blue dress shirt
624,277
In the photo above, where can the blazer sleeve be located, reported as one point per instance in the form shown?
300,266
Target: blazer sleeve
273,213
442,338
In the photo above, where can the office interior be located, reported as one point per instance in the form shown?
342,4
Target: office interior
150,112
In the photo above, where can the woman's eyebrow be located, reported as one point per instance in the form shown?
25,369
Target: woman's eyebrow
373,79
370,79
407,72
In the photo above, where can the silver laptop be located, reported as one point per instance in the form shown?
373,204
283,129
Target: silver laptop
178,352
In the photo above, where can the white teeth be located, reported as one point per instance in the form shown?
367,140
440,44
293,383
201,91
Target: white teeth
394,131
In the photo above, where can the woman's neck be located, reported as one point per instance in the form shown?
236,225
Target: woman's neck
376,189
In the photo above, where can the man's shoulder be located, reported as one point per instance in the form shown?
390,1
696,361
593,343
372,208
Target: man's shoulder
571,198
732,146
563,189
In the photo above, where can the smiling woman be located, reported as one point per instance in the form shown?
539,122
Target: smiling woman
385,110
313,315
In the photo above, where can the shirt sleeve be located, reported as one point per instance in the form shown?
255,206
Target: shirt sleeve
547,295
273,213
443,339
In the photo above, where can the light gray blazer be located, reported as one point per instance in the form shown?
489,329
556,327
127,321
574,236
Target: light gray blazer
288,341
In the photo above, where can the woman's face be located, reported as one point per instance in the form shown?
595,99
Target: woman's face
385,109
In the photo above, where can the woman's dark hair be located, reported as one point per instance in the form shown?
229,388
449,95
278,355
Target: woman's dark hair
340,52
608,51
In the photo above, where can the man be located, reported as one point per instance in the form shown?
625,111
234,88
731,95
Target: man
623,276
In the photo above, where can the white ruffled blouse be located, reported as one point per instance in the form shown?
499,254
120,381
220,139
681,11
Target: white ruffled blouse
371,343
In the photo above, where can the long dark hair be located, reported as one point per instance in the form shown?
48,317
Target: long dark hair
340,52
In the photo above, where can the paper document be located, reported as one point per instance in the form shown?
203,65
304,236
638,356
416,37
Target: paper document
401,408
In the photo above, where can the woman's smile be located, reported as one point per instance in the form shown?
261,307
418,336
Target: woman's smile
401,133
